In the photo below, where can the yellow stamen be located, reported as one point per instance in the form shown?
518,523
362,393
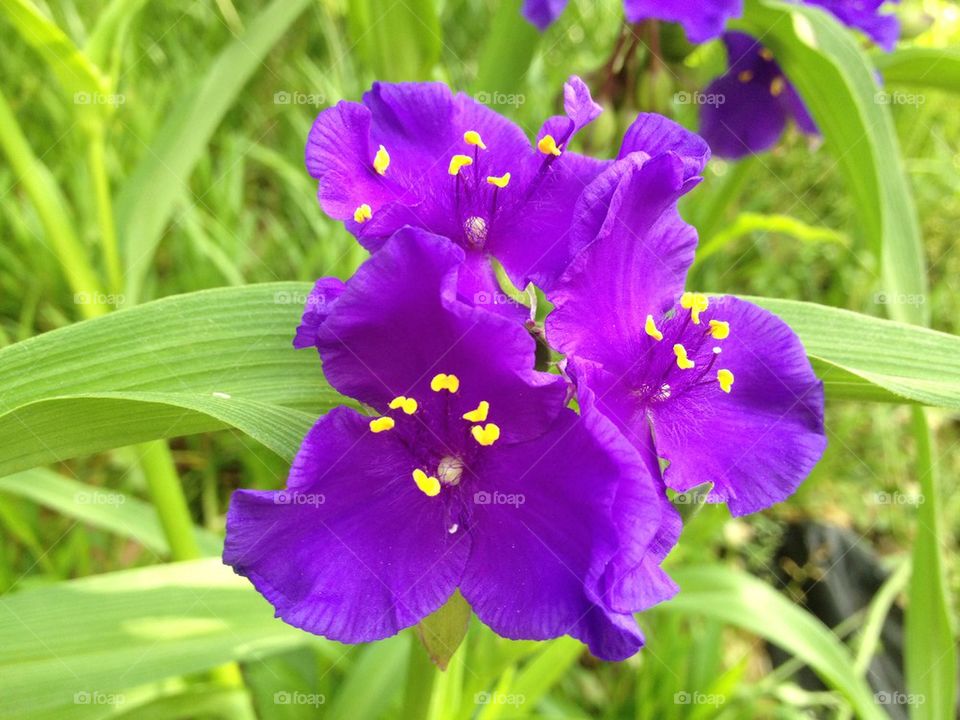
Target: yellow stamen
381,424
745,76
696,303
381,161
725,378
443,381
362,213
486,434
548,146
472,137
500,182
766,54
408,405
480,414
457,162
719,329
427,483
683,362
651,329
776,86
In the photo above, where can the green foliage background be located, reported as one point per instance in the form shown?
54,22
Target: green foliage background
152,150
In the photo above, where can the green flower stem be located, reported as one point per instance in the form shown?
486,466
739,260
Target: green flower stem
166,492
96,157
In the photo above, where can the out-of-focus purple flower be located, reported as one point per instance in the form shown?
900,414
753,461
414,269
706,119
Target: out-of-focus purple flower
415,154
701,21
754,102
472,474
864,15
720,388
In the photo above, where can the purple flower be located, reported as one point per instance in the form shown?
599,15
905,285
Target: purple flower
472,474
719,388
701,21
754,102
864,15
415,154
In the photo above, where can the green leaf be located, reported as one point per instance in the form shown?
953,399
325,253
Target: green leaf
98,507
442,632
930,651
181,365
748,603
397,40
746,223
835,79
375,679
921,67
507,52
111,632
867,358
150,194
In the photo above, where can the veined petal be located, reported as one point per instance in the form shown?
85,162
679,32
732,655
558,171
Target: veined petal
758,442
318,306
352,550
541,525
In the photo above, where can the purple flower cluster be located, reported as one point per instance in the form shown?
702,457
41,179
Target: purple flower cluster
758,98
466,469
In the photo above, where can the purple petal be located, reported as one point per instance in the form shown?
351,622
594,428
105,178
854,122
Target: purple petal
864,15
654,134
636,252
760,441
352,550
541,525
319,304
542,13
701,21
389,336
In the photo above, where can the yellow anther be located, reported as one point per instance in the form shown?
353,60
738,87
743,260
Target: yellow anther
766,54
486,434
457,162
480,414
472,137
725,378
777,85
683,362
745,76
408,405
548,146
445,382
362,213
382,424
696,303
427,483
651,329
719,329
500,182
381,161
